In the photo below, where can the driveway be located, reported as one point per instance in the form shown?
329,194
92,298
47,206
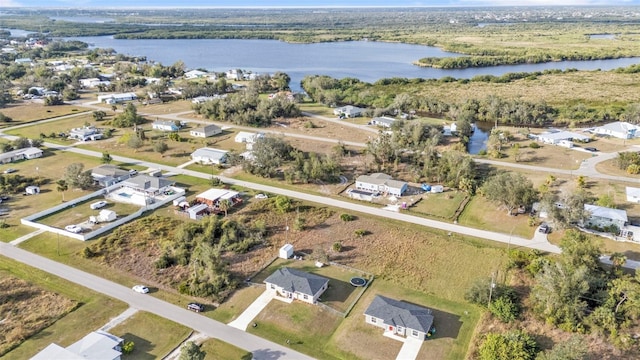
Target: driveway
261,348
242,322
410,346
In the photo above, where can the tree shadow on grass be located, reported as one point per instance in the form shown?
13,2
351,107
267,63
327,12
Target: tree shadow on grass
141,347
447,324
267,354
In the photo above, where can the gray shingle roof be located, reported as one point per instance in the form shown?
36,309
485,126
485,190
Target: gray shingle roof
400,313
297,281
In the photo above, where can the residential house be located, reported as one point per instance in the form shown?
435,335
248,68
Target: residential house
234,74
399,317
85,133
117,98
383,121
291,284
209,156
165,125
558,137
194,74
93,82
248,138
604,217
20,154
206,131
148,185
107,175
618,129
633,194
25,61
348,111
98,345
381,183
212,198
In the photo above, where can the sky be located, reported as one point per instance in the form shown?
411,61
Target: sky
297,3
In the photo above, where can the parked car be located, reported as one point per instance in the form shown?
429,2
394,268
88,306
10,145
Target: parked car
133,172
9,171
544,228
73,228
592,149
98,205
195,307
140,289
261,196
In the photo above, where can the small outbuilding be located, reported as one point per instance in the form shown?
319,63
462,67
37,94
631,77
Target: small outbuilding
437,188
32,190
286,252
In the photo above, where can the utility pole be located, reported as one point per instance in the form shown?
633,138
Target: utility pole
491,286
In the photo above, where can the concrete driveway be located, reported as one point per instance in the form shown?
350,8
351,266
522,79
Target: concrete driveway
410,346
242,322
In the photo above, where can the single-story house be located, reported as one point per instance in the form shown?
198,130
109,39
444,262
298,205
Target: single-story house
92,82
85,133
212,197
383,121
117,98
248,137
618,129
20,154
165,126
107,175
207,155
149,185
23,61
399,317
291,284
557,137
206,131
381,183
32,190
348,111
603,216
96,345
194,74
633,194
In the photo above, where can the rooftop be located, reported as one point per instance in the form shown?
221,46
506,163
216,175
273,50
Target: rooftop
297,281
400,313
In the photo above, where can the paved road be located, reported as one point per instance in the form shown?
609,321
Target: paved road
261,348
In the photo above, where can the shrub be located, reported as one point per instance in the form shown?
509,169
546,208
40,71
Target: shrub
360,232
164,261
87,253
346,217
534,145
127,347
337,246
505,309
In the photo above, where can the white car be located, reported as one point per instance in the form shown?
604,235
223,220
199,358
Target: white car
261,196
98,205
140,289
73,228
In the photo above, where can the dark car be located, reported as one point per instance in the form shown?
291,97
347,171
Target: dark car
592,149
195,307
544,228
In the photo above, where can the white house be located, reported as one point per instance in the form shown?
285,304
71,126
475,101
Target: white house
149,185
117,98
603,216
348,111
383,121
209,156
96,345
85,133
399,317
194,74
381,183
291,284
633,194
557,137
212,197
92,82
618,129
165,126
107,175
32,190
247,137
206,131
20,154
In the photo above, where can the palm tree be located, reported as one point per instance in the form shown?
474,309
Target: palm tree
617,261
224,205
62,187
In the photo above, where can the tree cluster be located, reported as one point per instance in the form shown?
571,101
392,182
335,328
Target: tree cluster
128,118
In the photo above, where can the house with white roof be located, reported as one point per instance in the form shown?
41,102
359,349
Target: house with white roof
633,194
20,154
381,183
248,138
85,133
165,125
209,156
212,197
383,121
117,98
618,129
290,284
206,131
399,317
562,138
98,345
603,217
348,111
194,74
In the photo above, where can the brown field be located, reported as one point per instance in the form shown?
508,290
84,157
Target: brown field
24,111
170,107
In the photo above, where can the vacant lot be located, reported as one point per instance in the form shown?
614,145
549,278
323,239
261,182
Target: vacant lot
59,311
440,205
81,212
154,337
25,111
218,350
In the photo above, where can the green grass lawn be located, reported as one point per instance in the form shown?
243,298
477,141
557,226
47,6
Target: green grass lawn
441,205
95,310
483,214
220,350
80,212
24,112
153,336
233,306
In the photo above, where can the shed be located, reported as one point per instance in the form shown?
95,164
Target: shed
32,190
196,211
437,188
286,251
176,202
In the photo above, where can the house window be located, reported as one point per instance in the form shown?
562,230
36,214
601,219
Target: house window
273,286
306,297
373,320
414,333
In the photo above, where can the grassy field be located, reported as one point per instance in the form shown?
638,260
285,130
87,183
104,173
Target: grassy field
442,205
154,337
94,311
170,107
236,304
483,214
24,112
81,212
219,350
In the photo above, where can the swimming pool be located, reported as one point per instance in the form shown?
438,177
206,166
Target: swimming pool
124,194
